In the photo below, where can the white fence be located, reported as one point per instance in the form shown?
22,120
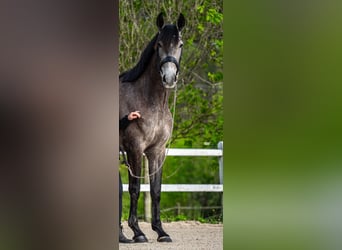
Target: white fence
191,187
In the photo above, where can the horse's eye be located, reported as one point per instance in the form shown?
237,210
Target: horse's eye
159,45
181,45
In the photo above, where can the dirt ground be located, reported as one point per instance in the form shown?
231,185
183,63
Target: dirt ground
186,235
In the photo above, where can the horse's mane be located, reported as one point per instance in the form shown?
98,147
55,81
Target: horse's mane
134,73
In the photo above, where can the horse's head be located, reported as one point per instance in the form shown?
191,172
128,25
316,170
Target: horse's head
169,49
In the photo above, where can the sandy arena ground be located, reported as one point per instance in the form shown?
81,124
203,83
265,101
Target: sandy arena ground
185,235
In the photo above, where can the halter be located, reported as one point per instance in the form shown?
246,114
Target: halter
169,59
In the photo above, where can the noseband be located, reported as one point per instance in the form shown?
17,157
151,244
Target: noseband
169,59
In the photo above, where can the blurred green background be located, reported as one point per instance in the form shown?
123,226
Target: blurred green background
282,125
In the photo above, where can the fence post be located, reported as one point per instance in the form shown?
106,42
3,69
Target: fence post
147,195
220,146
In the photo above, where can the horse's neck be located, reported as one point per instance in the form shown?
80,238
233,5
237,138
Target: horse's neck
153,88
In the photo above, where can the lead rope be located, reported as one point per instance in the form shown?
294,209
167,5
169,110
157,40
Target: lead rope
167,148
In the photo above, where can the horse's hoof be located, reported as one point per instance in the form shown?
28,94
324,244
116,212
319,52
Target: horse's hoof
164,239
140,239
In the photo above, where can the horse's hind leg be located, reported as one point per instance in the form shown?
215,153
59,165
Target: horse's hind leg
134,191
155,168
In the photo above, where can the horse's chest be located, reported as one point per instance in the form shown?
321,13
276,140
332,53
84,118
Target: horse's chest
155,130
158,130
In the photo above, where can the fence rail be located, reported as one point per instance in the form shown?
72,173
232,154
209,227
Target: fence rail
190,187
182,187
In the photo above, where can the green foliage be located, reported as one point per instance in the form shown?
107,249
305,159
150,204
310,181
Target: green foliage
198,112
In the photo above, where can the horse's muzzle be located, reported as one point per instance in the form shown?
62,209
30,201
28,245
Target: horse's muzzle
169,83
169,69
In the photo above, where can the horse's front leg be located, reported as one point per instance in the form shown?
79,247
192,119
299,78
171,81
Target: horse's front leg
134,160
156,160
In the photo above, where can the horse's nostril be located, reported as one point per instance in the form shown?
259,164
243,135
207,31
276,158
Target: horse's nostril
164,78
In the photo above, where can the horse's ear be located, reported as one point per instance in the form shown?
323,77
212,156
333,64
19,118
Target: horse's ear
160,21
180,22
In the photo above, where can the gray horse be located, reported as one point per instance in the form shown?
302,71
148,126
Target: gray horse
146,87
